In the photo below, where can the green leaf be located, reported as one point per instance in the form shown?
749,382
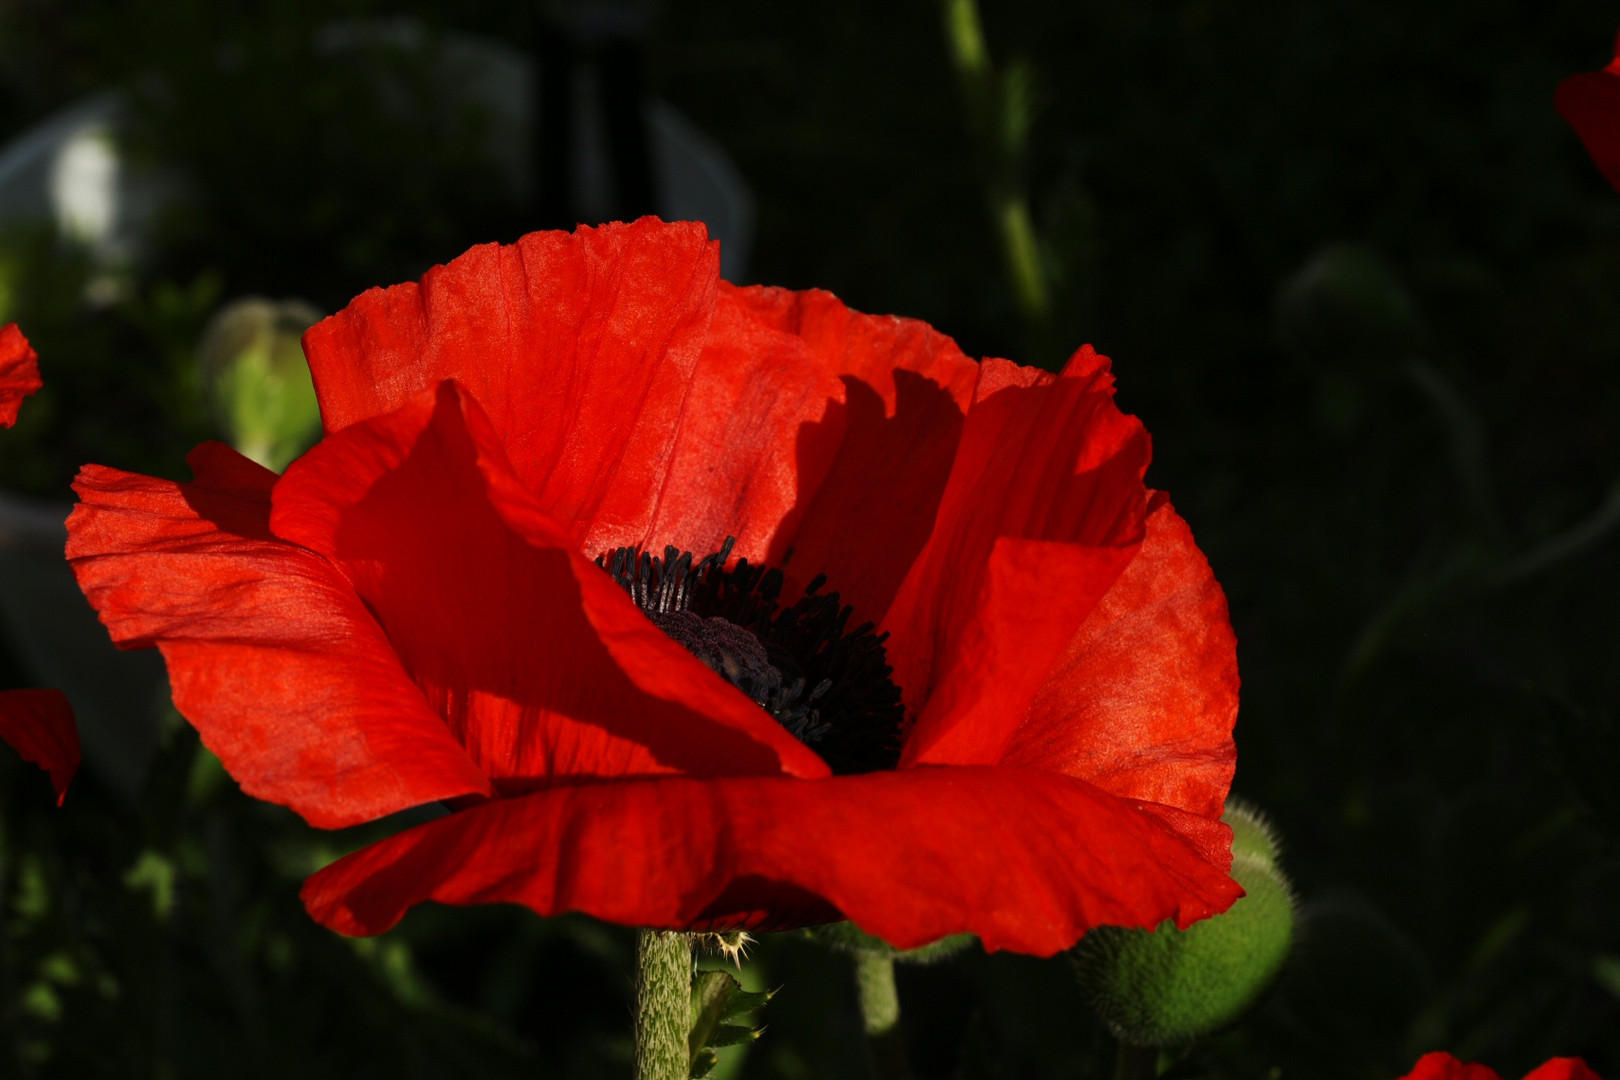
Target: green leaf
705,1060
717,998
742,1001
733,1035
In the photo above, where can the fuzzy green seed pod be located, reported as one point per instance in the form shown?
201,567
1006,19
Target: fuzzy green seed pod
1165,987
256,381
1252,832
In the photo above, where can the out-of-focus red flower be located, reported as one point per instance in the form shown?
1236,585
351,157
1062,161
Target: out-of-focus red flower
1441,1066
19,372
38,724
414,612
1591,103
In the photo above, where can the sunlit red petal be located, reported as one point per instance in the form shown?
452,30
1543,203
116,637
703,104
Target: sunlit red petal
1143,701
539,662
580,345
1044,509
818,430
1590,102
19,372
38,724
271,655
1028,860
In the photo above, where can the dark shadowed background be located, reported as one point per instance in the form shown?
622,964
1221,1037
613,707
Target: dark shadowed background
1356,275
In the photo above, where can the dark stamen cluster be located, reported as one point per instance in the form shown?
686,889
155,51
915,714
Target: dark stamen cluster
827,684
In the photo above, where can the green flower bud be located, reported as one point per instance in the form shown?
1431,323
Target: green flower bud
256,381
1346,308
847,937
1163,987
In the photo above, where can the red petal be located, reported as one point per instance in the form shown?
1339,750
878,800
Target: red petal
1590,102
581,346
1562,1069
1044,509
815,428
271,656
1027,860
19,372
542,666
1143,701
1442,1066
38,724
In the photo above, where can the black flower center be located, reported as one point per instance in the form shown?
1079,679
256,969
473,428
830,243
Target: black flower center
826,684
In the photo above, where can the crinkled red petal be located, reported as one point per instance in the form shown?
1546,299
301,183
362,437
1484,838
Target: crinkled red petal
271,655
541,665
38,724
580,345
1044,509
19,372
1590,102
1143,701
1027,860
820,431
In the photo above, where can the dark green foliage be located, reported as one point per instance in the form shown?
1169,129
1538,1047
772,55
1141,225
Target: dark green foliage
1411,505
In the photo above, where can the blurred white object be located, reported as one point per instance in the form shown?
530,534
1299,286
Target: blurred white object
84,185
70,169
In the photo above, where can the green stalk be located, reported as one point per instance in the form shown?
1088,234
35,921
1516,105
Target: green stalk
663,1005
880,1014
999,112
964,34
1022,252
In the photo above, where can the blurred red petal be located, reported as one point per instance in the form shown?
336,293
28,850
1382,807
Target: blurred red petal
580,345
19,372
1143,701
1442,1066
902,854
1590,102
1044,510
1562,1069
539,663
38,724
271,655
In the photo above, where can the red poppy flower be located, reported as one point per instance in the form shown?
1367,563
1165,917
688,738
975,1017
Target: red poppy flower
1441,1066
19,372
566,559
1591,103
38,724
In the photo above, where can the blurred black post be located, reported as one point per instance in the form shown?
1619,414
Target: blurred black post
603,38
620,66
554,144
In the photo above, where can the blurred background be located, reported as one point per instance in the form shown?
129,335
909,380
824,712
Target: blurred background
1356,275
